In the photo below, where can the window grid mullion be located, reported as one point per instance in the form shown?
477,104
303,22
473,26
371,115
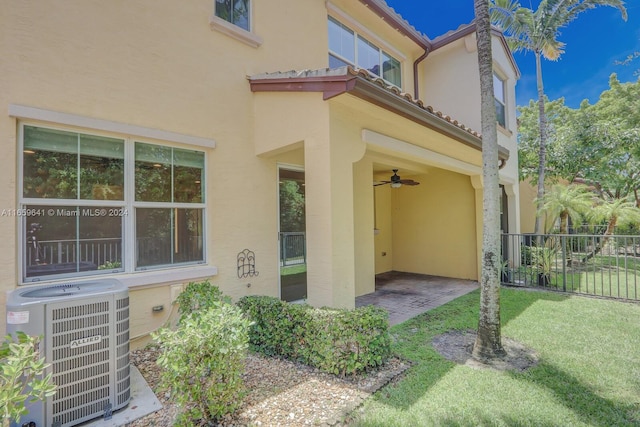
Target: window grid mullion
130,246
78,249
127,224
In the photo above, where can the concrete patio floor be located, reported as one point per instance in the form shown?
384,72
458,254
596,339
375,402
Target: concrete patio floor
405,295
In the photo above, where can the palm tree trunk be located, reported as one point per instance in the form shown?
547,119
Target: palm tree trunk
564,230
488,344
564,222
605,238
542,155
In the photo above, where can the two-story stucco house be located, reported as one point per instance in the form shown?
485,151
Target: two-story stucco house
162,142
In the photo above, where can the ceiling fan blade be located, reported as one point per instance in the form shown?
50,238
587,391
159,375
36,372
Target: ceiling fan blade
409,182
379,183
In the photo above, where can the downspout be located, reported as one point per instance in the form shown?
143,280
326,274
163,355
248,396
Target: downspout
416,91
380,8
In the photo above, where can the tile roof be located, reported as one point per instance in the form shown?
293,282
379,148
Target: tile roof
367,76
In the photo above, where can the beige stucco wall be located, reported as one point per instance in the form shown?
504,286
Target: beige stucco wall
384,236
404,224
363,200
161,66
528,195
434,230
450,74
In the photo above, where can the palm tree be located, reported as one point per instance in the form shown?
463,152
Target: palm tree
488,344
538,32
564,202
567,201
616,212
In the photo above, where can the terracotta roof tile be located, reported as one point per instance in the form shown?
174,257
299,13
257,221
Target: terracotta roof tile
365,75
360,72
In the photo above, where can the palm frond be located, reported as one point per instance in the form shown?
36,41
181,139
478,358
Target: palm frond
539,30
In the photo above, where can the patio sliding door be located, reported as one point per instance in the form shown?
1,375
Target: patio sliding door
292,234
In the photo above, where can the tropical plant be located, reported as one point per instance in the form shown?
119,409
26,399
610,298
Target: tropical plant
619,211
488,344
567,201
21,375
537,31
543,259
629,59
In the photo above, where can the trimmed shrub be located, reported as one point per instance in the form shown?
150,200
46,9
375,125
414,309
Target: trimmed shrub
203,359
349,341
337,341
198,297
278,328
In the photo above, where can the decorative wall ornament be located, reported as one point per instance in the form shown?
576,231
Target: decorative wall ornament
247,264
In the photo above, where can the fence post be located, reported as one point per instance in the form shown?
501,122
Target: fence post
283,242
563,239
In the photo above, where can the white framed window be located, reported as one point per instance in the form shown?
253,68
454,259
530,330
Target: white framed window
499,95
91,204
346,47
236,12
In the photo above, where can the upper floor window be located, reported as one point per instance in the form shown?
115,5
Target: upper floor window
499,95
348,48
94,204
234,11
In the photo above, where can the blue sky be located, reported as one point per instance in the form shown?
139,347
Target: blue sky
594,42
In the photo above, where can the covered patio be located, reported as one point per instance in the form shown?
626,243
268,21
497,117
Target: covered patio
405,295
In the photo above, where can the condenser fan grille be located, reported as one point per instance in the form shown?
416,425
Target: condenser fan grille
83,390
81,345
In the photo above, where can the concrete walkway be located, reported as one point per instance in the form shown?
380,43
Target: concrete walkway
405,295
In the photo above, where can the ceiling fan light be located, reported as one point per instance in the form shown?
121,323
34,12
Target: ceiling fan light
396,184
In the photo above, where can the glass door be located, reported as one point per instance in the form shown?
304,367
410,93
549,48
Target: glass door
292,236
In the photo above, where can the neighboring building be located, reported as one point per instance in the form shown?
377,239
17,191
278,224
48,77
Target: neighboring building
168,141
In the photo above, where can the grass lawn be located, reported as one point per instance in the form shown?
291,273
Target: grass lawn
291,270
588,375
599,277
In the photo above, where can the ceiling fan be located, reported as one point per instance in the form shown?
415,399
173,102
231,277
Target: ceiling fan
396,181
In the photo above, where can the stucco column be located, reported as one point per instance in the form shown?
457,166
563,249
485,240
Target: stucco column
329,194
513,210
365,263
477,183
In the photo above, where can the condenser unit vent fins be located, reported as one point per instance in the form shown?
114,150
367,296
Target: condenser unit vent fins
86,342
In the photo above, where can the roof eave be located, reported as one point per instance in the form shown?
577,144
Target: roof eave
381,9
370,91
330,86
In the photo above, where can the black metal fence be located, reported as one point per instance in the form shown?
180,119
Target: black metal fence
593,264
292,248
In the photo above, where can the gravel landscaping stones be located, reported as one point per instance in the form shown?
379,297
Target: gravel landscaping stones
279,392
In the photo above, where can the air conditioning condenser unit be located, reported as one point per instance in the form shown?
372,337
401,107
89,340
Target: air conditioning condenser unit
85,330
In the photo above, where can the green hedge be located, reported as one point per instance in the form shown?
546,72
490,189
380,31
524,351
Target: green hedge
336,341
